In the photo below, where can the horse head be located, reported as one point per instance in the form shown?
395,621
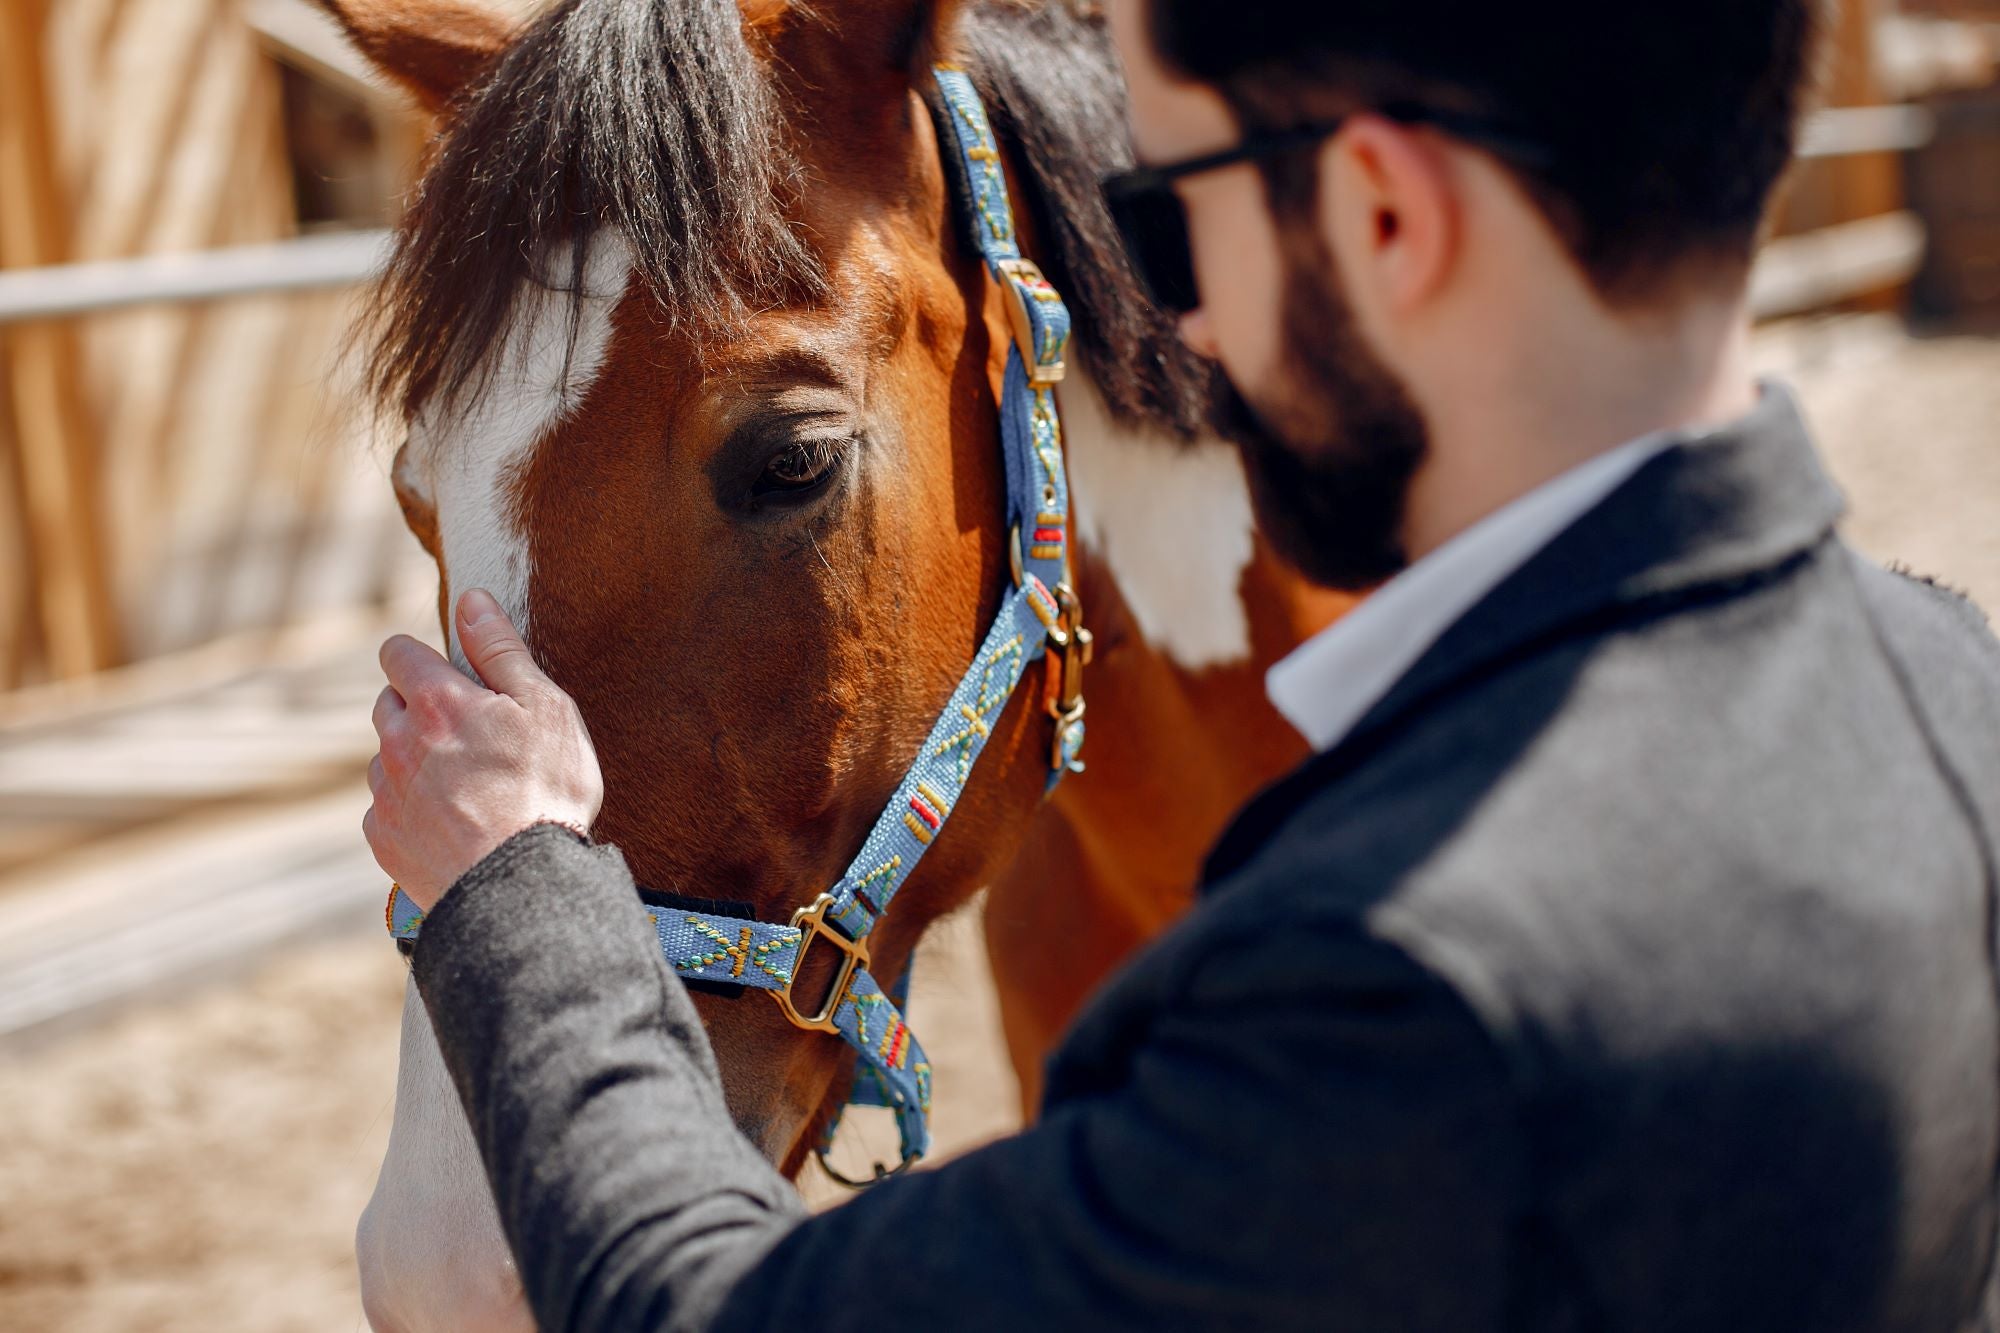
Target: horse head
711,407
701,375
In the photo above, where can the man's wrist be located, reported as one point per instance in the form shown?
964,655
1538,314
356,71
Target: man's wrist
537,870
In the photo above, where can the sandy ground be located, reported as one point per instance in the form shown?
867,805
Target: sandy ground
199,1165
1911,430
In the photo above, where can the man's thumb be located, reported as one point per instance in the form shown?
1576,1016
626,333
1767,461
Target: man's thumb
494,647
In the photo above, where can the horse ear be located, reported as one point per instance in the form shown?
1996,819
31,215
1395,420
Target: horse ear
906,35
935,23
759,15
433,48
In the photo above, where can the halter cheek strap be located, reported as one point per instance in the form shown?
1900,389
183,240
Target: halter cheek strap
1040,614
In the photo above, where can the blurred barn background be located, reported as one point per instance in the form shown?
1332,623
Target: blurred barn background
199,552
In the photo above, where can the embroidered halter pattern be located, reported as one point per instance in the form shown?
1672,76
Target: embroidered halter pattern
1040,614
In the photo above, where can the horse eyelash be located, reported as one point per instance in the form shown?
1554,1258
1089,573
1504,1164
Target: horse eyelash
821,455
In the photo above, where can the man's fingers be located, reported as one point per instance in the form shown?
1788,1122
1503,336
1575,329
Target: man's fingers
494,646
371,830
375,828
389,710
413,668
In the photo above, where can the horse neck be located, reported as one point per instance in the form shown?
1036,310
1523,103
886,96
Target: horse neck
1191,609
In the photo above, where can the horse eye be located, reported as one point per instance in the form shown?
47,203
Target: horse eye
800,467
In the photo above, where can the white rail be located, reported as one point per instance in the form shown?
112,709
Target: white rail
1850,130
61,291
341,259
1797,274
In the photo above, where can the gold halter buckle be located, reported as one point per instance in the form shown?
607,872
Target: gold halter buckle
811,923
1022,281
1073,647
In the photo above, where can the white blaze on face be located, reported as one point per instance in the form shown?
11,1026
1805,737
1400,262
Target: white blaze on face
1172,521
467,463
431,1253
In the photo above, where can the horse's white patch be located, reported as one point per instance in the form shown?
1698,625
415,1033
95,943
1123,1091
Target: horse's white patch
431,1252
1172,521
430,1248
467,461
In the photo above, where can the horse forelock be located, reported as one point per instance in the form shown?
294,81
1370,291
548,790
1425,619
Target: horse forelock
659,118
651,117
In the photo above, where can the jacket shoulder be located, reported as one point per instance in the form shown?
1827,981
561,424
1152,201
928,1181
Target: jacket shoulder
1743,778
1708,889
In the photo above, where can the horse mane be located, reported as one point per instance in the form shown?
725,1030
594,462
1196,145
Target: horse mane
628,114
603,113
1054,92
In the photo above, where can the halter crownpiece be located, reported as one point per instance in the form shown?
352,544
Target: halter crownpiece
1040,614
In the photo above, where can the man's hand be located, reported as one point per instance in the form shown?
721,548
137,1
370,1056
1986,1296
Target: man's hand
463,767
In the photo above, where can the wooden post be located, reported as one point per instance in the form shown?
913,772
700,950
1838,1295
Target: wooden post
1865,185
18,631
55,456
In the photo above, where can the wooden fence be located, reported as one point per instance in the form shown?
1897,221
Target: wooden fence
178,473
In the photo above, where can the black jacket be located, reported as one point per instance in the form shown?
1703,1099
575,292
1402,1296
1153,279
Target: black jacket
1630,966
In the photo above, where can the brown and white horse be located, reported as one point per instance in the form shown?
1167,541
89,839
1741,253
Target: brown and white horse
701,381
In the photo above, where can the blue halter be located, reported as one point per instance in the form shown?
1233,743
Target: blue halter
1040,613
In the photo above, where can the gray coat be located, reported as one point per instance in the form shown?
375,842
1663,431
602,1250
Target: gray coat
1630,966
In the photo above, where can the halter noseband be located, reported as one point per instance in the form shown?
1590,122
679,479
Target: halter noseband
1041,613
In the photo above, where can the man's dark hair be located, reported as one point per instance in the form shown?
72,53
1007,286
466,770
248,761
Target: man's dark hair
1666,123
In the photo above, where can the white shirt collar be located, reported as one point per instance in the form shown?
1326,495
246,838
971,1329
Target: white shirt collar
1330,681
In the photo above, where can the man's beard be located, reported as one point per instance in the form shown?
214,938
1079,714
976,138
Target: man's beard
1331,449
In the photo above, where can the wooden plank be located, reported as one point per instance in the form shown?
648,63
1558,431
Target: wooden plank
1816,269
278,717
309,263
1864,185
149,78
306,37
179,904
158,682
1955,184
54,452
1987,10
1846,131
1921,57
17,602
221,465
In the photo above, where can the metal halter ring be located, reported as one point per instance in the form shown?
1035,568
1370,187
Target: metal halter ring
882,1172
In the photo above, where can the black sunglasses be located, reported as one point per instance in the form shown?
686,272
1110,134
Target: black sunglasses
1153,223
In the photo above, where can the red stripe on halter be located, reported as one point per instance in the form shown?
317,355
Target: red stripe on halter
1048,534
925,813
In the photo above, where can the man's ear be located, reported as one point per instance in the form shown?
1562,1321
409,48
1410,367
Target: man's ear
1388,206
432,48
851,64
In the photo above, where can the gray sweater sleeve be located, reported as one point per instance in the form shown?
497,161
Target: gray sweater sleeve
1233,1149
